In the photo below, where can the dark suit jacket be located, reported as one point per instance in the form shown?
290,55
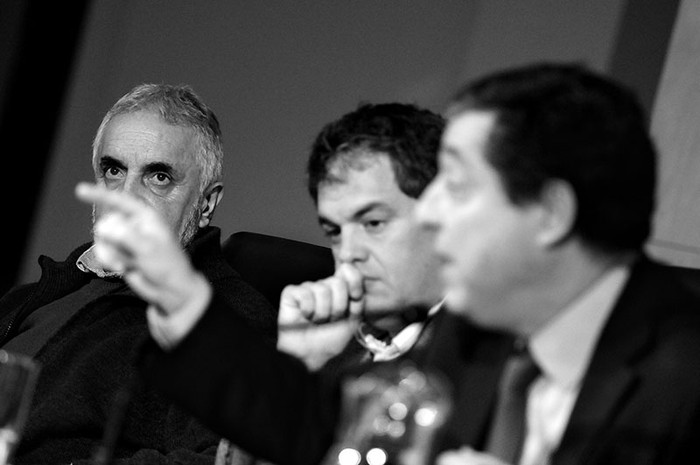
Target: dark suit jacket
640,399
639,403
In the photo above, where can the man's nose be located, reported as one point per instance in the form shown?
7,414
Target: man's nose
132,185
428,206
352,248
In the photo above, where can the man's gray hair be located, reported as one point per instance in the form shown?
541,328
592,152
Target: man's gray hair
178,105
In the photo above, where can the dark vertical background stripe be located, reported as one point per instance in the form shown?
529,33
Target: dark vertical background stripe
38,42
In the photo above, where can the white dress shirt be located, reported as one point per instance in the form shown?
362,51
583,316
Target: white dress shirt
89,263
401,343
563,350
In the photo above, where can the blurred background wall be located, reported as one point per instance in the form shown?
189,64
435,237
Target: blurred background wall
274,72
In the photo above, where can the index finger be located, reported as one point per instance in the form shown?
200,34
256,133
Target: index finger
355,287
112,200
353,279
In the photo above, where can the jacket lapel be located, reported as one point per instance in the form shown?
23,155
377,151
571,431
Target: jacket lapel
611,375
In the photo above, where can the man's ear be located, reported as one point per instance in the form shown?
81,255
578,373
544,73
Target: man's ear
211,199
559,208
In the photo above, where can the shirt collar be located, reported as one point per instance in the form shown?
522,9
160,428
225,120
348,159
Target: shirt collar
383,350
88,263
564,346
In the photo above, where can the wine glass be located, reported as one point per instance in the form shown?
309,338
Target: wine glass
390,416
18,376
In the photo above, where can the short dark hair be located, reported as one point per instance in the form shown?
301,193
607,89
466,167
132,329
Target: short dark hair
566,122
409,135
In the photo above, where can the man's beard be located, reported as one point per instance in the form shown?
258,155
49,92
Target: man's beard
189,229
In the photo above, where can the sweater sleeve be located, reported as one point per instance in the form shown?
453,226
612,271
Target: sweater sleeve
240,386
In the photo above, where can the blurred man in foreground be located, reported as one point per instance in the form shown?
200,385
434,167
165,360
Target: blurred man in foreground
542,206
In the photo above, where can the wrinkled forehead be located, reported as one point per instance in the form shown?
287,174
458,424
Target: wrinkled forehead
355,189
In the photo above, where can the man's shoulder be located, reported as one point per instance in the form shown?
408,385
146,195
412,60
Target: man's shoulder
657,315
662,285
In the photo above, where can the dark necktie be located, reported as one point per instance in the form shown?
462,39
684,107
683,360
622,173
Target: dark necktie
508,425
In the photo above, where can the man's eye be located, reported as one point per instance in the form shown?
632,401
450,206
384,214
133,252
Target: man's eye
374,226
331,233
112,172
160,179
454,186
458,188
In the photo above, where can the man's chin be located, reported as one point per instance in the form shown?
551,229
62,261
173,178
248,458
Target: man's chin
378,309
376,305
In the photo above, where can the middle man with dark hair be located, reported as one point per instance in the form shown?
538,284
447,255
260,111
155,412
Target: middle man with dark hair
365,173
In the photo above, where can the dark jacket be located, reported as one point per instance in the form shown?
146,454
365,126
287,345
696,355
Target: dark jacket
639,403
90,359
